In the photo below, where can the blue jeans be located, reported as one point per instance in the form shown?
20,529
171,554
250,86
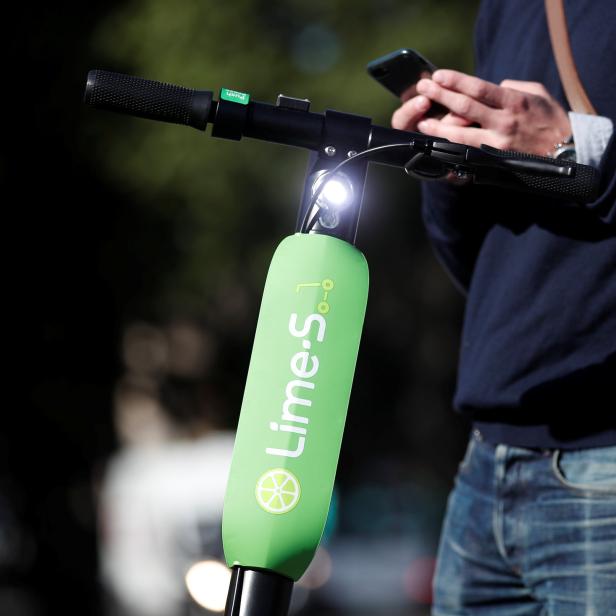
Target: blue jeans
529,532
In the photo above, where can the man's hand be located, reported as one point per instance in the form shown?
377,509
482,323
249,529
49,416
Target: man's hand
516,115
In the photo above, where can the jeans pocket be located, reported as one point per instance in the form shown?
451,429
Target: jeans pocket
588,470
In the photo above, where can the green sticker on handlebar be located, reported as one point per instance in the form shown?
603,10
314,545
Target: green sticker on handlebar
235,97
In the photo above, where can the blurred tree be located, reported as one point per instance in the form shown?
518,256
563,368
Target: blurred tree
208,213
122,219
224,206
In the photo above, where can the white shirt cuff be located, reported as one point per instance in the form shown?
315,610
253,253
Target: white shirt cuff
591,135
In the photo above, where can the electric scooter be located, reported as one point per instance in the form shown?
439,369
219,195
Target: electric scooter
307,339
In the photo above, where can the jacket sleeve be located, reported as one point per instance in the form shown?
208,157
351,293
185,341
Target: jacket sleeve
456,226
605,206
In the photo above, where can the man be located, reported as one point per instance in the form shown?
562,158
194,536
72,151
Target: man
531,523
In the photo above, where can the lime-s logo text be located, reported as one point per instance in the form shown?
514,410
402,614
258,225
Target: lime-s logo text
304,366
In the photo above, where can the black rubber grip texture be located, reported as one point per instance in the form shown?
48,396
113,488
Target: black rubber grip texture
581,187
147,99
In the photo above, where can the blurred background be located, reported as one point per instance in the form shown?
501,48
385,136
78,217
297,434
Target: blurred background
141,252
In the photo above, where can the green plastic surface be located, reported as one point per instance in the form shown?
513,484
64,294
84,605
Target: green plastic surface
295,404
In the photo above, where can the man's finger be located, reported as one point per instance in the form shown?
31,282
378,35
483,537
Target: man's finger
455,120
532,87
468,135
407,116
479,89
461,104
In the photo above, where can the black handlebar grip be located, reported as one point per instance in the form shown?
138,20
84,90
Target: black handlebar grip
148,99
582,186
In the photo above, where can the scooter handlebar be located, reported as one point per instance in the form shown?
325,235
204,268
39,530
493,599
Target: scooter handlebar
148,99
281,124
581,185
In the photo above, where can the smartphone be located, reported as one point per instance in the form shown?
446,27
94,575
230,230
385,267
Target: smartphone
399,72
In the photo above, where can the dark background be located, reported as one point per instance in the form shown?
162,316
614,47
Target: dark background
115,221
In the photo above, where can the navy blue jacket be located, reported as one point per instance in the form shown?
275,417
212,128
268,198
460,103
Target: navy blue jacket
537,363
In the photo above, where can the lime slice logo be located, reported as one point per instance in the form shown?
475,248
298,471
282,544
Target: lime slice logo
277,491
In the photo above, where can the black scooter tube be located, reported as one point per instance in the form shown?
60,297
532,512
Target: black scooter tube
258,593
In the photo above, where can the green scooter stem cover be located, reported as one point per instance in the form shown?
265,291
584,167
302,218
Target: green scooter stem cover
295,404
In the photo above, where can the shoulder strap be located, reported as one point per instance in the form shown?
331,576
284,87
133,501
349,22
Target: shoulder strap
574,90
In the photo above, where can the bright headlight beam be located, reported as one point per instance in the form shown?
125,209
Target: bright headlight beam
335,193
